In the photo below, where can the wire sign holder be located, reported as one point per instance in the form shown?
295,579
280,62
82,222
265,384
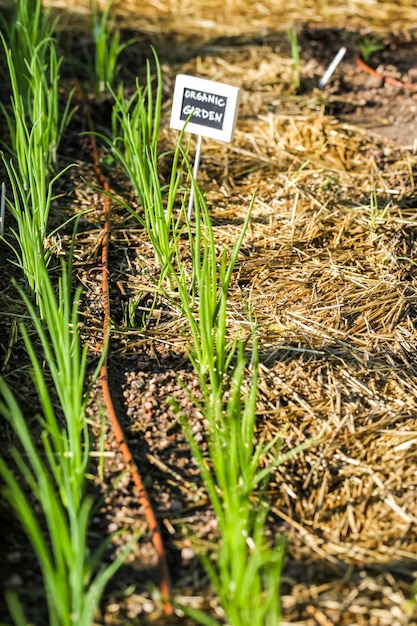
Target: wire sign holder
211,110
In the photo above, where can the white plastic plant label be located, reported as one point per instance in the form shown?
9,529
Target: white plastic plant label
212,106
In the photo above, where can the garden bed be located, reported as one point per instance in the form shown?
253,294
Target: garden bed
328,272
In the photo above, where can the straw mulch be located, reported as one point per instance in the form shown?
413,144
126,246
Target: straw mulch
328,271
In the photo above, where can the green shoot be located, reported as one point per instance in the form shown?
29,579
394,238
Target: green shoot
406,258
412,602
295,55
376,213
130,310
247,568
368,45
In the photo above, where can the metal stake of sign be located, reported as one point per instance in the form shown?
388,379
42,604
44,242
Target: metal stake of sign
195,172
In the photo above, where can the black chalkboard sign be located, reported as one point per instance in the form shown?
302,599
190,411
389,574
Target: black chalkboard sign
207,107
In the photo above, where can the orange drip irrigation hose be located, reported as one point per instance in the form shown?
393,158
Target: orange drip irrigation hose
164,577
388,80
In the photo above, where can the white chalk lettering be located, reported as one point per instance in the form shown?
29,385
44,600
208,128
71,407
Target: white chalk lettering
202,96
212,116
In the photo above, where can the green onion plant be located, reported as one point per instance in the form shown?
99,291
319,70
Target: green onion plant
45,480
30,208
108,48
34,106
245,566
46,483
203,292
35,129
30,24
134,143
